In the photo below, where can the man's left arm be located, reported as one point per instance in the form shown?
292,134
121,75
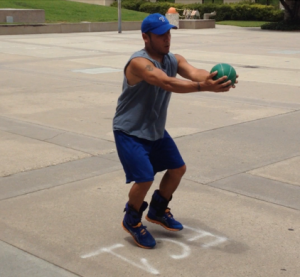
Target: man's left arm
189,72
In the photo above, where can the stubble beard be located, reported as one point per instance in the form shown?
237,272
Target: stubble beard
156,50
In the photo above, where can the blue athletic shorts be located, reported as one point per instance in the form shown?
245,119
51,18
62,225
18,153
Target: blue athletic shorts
142,159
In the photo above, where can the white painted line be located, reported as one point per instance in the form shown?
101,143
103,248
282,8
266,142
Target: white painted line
146,266
202,234
218,240
143,263
186,250
101,250
149,268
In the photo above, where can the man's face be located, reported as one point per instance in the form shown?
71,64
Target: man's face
160,43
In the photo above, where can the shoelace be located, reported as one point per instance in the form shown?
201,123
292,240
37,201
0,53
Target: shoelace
143,231
167,211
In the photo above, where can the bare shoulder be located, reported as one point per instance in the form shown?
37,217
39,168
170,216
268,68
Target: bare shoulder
179,58
140,63
136,69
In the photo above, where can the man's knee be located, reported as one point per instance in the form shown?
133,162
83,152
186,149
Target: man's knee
178,172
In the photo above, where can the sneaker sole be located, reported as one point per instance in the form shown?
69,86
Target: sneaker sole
159,223
142,246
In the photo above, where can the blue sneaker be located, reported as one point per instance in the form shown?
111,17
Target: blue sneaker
159,213
167,220
140,235
133,225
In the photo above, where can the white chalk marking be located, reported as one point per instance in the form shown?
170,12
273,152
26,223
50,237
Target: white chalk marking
144,265
218,240
203,234
185,252
101,250
147,267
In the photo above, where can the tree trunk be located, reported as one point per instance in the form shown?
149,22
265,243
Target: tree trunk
292,9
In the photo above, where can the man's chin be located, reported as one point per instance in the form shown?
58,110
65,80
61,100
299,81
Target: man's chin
167,51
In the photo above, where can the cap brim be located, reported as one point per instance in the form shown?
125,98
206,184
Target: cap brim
163,29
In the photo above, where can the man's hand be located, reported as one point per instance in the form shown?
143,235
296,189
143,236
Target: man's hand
218,85
236,81
215,85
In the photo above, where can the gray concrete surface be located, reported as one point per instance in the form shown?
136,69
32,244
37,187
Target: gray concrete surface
26,265
62,188
48,28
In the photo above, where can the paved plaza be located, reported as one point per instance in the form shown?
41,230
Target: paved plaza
62,187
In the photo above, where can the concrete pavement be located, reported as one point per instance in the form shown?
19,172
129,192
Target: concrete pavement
62,188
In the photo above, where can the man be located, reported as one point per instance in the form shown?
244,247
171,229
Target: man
144,146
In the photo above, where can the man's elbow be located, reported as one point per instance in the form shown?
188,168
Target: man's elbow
164,84
168,86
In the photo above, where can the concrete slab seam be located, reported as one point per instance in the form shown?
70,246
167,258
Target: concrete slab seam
248,171
82,78
23,250
256,198
262,197
46,141
282,160
268,178
64,146
105,52
56,186
35,125
244,194
292,107
258,67
237,124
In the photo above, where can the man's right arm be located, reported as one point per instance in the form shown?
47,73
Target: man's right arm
140,69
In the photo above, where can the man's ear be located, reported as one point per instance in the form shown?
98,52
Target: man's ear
146,37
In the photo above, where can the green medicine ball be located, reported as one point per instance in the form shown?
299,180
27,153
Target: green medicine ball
224,69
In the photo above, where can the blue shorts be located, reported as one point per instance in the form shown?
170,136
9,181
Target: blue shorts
142,159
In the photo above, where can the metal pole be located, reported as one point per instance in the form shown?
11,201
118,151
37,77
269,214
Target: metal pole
119,17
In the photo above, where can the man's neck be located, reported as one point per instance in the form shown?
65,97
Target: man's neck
155,56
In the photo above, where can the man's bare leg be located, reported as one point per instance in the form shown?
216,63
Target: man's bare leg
158,212
137,194
170,181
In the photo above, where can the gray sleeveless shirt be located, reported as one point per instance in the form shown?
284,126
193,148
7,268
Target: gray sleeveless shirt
142,108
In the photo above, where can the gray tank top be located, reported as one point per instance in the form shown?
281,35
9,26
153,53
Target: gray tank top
142,108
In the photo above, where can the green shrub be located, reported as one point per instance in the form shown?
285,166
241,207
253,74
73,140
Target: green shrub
170,1
274,3
255,12
129,4
282,26
213,2
157,7
238,11
224,12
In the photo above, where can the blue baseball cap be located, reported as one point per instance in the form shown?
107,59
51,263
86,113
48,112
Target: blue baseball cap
157,24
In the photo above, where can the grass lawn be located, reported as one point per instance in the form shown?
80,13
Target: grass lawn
57,11
242,23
